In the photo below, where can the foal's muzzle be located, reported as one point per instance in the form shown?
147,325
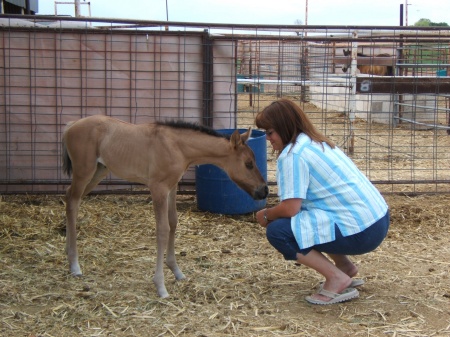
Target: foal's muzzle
261,192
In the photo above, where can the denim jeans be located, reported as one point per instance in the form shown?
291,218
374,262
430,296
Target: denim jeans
281,237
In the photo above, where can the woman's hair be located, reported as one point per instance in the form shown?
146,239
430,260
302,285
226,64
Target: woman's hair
288,120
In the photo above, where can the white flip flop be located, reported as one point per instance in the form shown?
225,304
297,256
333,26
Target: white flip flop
346,295
357,282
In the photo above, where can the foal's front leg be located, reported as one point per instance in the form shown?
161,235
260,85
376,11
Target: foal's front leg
173,219
160,206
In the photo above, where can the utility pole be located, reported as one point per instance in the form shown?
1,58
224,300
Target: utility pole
306,12
77,8
406,12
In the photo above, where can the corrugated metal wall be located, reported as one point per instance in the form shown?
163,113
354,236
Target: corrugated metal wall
52,76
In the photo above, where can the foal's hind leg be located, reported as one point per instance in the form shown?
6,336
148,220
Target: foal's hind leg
81,185
73,200
99,175
173,219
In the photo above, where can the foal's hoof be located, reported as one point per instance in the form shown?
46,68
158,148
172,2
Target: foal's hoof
76,273
180,277
163,293
75,269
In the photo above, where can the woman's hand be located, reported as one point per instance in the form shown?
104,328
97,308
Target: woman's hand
260,217
285,209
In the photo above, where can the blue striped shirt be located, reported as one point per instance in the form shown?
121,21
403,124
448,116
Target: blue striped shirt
333,190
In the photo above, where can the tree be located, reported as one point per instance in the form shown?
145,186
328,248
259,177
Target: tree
429,23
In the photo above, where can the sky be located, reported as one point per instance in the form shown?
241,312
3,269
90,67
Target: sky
276,12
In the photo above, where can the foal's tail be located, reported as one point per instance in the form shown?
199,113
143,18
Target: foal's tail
67,163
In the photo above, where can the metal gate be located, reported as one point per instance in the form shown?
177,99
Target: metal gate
395,126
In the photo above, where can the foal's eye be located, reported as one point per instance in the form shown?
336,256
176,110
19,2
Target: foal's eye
249,165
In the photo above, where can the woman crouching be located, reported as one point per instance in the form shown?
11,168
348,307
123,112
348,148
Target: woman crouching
326,204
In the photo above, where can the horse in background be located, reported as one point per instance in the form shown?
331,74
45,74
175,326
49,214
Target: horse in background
370,69
156,155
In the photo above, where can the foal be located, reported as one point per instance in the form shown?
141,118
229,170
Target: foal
156,155
370,68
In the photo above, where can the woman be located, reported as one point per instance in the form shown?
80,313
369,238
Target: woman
326,204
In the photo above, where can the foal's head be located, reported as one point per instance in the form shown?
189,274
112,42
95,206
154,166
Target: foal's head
345,67
241,167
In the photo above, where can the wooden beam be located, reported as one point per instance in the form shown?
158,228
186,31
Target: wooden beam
402,85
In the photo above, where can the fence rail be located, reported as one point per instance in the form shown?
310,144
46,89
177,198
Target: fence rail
395,128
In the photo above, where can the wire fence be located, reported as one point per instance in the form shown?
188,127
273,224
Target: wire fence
382,94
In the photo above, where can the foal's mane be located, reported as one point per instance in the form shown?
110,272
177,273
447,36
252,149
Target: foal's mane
180,124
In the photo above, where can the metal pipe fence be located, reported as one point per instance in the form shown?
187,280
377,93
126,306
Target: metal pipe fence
394,125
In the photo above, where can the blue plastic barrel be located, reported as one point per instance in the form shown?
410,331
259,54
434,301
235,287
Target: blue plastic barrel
217,193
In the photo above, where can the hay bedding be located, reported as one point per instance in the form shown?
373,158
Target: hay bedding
238,285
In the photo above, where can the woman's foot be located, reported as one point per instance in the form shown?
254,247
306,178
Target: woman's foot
344,264
336,280
336,285
350,269
332,298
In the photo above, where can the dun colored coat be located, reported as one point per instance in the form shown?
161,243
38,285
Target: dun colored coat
156,155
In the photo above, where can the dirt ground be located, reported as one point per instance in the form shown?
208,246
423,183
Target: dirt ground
237,285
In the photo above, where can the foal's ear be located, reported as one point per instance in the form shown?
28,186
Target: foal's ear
236,139
246,135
